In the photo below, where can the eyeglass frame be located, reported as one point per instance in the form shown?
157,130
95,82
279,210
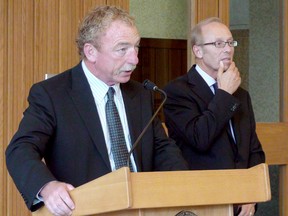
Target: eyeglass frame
233,43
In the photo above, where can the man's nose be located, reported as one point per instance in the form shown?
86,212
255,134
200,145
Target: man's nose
133,57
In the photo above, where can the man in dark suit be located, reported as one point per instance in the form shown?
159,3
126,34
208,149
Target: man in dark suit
66,123
207,113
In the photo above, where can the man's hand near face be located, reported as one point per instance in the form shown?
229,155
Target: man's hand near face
230,79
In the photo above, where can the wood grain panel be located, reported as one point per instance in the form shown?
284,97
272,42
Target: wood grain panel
69,17
274,138
162,192
224,10
3,103
283,177
20,70
284,63
179,62
161,60
162,67
46,45
56,28
87,5
207,8
37,37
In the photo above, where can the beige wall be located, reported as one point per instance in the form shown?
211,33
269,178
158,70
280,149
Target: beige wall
161,18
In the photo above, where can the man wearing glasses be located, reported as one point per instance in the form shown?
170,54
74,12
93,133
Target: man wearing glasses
207,112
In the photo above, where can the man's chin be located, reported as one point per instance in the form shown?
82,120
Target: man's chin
226,65
123,79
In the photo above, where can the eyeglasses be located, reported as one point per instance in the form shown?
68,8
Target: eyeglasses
221,44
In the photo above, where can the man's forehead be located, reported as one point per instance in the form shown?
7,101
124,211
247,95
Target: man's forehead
215,31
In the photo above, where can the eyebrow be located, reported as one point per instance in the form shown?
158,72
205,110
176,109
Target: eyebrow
123,44
127,44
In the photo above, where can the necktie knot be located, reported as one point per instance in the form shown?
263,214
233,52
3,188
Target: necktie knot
110,93
215,87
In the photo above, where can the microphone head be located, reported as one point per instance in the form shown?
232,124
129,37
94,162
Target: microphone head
149,85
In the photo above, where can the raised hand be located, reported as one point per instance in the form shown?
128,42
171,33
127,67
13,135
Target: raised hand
230,79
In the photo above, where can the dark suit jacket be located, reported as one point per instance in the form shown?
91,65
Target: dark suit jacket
198,121
62,125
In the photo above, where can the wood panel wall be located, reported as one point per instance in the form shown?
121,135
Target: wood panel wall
161,60
3,130
37,37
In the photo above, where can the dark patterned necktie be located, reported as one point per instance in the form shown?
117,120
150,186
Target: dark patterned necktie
117,139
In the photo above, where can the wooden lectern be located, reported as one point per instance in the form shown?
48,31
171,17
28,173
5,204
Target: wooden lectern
202,193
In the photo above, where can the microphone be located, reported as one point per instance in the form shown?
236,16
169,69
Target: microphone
150,86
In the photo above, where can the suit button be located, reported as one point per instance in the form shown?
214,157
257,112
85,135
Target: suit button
234,107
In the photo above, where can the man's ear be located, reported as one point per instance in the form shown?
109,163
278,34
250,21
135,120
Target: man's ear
197,50
90,52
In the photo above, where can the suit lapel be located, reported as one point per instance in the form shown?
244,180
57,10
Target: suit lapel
133,113
198,86
82,97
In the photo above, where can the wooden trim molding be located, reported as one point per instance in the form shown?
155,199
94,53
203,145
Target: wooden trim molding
3,103
273,137
283,170
284,63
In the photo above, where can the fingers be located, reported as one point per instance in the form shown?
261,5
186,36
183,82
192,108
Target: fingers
221,69
247,210
57,199
67,199
58,206
70,187
229,80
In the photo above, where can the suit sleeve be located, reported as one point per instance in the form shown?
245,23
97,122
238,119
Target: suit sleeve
193,120
256,153
199,122
25,152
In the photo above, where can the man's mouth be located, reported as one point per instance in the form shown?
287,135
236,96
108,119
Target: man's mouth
226,59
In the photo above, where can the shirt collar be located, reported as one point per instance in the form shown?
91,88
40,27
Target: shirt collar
208,79
98,87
